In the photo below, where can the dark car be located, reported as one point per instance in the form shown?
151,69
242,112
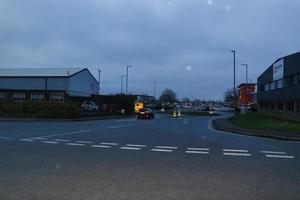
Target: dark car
145,113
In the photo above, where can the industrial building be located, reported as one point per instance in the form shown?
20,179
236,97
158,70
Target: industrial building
246,91
279,87
47,84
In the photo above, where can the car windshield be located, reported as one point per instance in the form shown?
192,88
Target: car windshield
149,99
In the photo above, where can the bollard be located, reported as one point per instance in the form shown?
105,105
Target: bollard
174,114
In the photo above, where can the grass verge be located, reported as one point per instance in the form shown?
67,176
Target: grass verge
256,121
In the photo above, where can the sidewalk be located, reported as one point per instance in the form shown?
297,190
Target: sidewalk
25,119
223,124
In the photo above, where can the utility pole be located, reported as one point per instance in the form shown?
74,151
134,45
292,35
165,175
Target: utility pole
246,65
122,76
154,89
235,107
127,79
99,73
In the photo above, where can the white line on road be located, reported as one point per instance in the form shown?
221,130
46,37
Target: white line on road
235,150
279,156
166,147
109,143
198,149
60,134
126,120
131,148
162,150
100,146
50,142
275,152
39,138
199,152
236,154
26,140
74,144
85,142
136,145
121,126
6,138
61,140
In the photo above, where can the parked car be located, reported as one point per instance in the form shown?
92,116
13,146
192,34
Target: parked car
145,113
89,106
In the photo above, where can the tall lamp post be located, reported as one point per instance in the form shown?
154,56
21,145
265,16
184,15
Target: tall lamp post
99,78
127,79
246,65
122,76
233,51
154,89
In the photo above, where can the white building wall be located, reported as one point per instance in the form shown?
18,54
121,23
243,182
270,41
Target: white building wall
82,84
22,83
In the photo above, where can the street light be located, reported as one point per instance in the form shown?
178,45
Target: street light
246,65
233,51
122,76
127,79
154,89
99,73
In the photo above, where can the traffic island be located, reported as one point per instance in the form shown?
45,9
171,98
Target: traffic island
254,124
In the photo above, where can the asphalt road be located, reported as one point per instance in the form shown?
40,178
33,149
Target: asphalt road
147,159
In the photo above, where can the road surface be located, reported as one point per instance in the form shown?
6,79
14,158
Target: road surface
131,159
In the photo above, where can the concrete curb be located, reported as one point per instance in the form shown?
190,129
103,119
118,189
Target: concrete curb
213,126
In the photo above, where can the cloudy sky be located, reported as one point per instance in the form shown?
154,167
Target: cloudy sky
182,44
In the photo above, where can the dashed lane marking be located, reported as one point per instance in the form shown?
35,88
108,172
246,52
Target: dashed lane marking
136,145
279,156
109,143
130,148
26,140
166,147
60,134
74,144
162,150
197,152
38,138
235,150
61,140
85,142
274,152
121,126
198,149
50,142
236,154
100,146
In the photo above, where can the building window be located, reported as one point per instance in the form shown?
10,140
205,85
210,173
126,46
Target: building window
19,96
298,106
3,95
267,87
280,106
289,106
280,83
272,85
272,105
37,97
56,99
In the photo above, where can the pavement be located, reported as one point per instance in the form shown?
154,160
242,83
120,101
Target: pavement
165,158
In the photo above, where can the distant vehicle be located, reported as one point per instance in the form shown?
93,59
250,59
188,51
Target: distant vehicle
145,113
89,106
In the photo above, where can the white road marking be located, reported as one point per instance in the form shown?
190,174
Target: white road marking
125,120
279,156
26,140
39,138
74,144
85,142
162,150
109,143
60,140
136,145
236,154
100,146
6,138
275,152
50,142
198,149
235,150
121,126
60,134
199,152
166,147
131,148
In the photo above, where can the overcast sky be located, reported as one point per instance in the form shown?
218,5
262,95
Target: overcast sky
182,44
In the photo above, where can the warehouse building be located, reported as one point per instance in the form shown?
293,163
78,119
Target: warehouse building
47,84
246,91
279,87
